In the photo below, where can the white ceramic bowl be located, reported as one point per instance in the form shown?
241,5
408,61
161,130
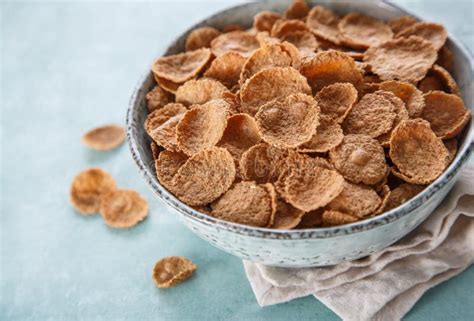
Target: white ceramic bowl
309,247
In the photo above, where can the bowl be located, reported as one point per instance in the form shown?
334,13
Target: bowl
308,247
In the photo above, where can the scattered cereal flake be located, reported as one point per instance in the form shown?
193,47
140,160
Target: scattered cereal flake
360,31
105,137
155,150
356,200
328,135
226,69
247,203
286,216
270,84
201,38
264,58
312,188
233,99
123,208
240,134
167,166
202,126
333,218
373,115
439,78
304,41
404,59
200,91
435,33
336,100
402,194
400,23
157,98
360,159
298,9
294,54
88,188
323,23
283,27
205,176
419,155
445,58
264,20
329,67
409,94
312,219
400,112
181,67
446,114
452,147
172,270
289,121
356,55
263,163
241,42
167,85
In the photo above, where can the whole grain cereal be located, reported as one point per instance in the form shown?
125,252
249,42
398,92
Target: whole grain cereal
328,135
201,38
400,23
288,122
324,24
360,31
373,115
409,94
446,114
270,84
205,176
336,100
333,218
264,20
238,135
247,203
123,208
264,58
105,137
418,154
298,9
263,163
181,67
286,216
356,199
329,67
172,270
202,126
435,33
88,188
360,159
158,98
238,41
226,69
200,91
404,59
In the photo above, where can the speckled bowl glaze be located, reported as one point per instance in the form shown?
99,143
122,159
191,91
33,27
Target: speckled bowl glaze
309,247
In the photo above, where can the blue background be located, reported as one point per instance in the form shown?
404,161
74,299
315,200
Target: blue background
67,67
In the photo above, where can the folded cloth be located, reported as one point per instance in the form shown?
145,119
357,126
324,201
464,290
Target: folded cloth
385,285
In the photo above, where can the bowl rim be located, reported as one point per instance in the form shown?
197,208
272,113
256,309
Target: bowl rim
312,233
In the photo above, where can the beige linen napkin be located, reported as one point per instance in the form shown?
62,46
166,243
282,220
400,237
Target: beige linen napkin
385,285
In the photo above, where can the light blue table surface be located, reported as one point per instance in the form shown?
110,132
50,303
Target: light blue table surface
67,67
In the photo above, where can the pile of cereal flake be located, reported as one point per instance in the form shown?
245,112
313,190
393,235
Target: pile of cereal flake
307,119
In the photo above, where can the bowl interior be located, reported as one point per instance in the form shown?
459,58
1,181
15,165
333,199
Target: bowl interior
140,142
